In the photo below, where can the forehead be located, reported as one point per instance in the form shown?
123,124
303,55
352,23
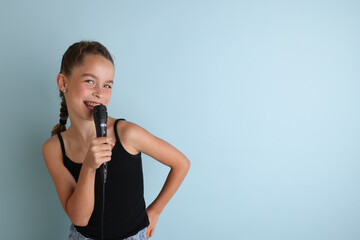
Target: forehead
96,65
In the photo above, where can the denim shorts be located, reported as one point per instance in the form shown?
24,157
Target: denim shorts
75,235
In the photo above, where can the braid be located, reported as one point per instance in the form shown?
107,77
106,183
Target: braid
63,116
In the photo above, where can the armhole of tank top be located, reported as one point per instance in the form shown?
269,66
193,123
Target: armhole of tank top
118,139
115,128
62,145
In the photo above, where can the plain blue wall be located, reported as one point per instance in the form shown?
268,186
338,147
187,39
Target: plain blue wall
261,96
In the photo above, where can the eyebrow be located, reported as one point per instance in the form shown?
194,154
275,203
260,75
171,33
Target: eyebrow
93,76
89,75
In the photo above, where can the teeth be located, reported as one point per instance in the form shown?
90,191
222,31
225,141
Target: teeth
91,104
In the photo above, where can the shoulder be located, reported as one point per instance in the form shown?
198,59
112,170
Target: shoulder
51,147
51,143
130,130
132,135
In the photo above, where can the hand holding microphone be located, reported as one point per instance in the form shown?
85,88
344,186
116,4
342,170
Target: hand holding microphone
100,149
99,152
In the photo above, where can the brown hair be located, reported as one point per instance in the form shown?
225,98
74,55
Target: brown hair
74,56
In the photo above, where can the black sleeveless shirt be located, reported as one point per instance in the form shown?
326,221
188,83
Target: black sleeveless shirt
125,210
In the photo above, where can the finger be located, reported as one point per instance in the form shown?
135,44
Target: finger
104,154
110,141
103,140
147,233
102,147
109,144
99,140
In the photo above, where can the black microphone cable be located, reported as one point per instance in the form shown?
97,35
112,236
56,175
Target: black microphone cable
103,211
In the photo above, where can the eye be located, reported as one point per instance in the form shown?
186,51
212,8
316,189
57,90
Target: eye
89,81
107,86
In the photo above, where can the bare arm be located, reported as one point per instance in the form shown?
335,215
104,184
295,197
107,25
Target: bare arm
77,199
165,153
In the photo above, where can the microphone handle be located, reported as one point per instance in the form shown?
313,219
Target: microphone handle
104,171
103,167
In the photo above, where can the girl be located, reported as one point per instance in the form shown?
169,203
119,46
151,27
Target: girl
73,156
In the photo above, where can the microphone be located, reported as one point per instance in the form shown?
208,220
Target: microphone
100,119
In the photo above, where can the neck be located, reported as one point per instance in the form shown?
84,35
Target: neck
82,131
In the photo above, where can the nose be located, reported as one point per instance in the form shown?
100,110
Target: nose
98,93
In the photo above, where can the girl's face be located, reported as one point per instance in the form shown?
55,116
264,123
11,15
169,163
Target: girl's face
89,84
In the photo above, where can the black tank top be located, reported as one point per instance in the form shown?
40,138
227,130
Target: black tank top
125,210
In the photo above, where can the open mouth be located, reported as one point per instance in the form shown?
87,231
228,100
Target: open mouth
91,105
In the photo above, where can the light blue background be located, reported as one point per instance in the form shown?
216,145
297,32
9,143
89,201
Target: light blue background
261,96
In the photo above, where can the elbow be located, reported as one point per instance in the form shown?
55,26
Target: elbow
81,222
185,166
78,219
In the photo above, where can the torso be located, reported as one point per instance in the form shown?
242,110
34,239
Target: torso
77,152
125,176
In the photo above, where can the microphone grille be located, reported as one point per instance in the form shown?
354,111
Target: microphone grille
100,111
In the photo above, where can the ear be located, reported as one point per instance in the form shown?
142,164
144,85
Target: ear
61,82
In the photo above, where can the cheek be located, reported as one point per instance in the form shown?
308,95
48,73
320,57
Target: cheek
76,93
82,92
108,97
